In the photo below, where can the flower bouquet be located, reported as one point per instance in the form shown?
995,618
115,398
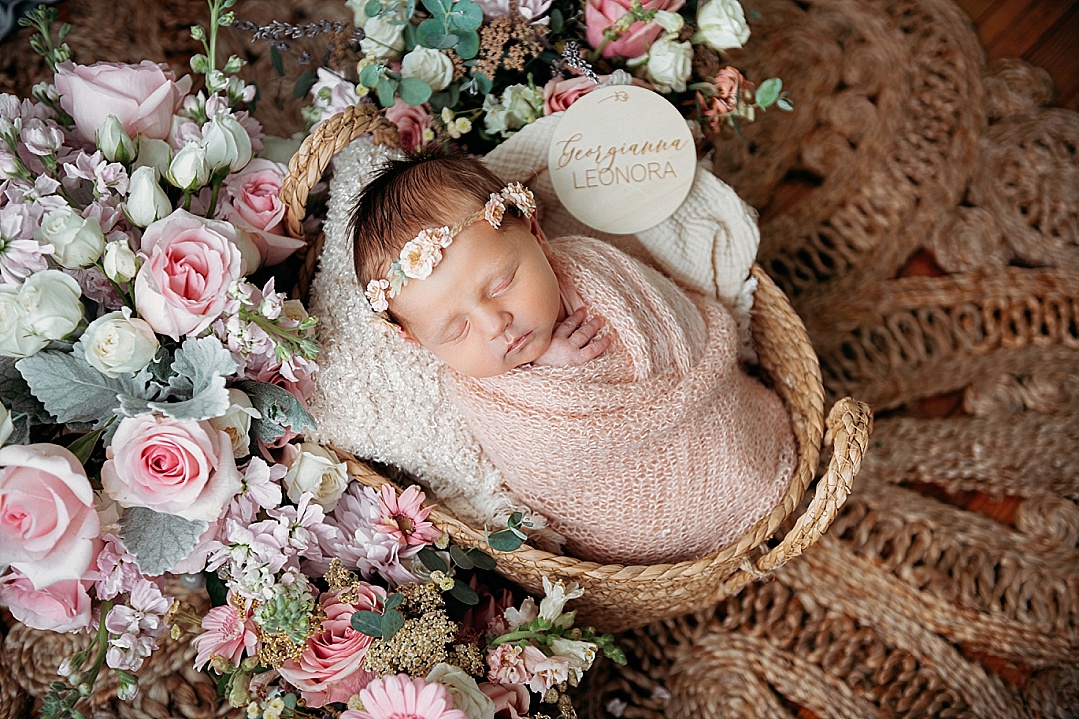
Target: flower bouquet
474,72
154,378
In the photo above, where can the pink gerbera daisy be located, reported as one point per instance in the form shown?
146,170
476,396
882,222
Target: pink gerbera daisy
399,697
228,632
405,517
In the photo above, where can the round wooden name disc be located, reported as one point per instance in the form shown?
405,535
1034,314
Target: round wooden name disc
622,159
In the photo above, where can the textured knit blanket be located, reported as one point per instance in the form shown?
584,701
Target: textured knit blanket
663,449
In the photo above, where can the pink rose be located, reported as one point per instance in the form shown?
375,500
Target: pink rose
411,121
172,466
60,607
559,94
190,264
143,97
601,14
331,667
257,209
48,523
510,698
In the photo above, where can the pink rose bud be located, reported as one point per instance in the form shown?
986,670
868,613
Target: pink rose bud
601,14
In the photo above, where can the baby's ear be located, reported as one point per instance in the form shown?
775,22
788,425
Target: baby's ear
407,336
538,233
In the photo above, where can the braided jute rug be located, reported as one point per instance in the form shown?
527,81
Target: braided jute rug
921,209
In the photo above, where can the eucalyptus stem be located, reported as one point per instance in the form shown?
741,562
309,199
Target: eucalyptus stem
514,636
102,647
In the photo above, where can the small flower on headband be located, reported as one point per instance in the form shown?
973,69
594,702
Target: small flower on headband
376,295
421,254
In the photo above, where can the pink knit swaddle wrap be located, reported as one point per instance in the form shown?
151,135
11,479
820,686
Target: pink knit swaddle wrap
661,450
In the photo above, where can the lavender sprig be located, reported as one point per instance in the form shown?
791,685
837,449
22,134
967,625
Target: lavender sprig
278,33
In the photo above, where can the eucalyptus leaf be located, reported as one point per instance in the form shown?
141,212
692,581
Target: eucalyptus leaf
466,15
366,622
483,83
392,621
438,8
504,541
414,91
393,601
464,593
412,38
556,20
481,559
768,92
278,64
468,43
370,74
304,83
158,541
459,557
386,90
784,103
430,31
372,8
432,560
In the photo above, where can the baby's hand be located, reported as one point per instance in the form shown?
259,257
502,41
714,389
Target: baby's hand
574,343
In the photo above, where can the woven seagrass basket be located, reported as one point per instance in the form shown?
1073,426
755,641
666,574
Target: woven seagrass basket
620,597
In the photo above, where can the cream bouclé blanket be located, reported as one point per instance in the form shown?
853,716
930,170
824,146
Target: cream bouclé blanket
663,449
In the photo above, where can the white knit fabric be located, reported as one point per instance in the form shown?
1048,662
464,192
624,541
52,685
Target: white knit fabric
387,400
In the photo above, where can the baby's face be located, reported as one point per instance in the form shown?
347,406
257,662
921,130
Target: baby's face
490,305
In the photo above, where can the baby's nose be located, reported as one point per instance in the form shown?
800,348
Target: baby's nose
497,322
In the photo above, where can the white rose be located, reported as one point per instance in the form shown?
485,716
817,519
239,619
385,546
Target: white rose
77,241
119,262
6,425
721,25
519,106
383,38
672,22
317,471
467,696
188,169
431,66
117,344
227,144
669,63
236,422
146,201
114,142
154,153
16,339
50,304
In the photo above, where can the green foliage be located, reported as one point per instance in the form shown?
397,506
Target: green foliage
768,92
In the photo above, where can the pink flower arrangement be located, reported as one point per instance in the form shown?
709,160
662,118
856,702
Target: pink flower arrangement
398,697
172,466
331,667
601,14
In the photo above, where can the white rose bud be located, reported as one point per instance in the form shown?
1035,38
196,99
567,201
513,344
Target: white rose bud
188,169
382,38
114,142
6,425
317,471
431,66
227,144
117,344
50,304
77,241
721,25
669,63
236,422
154,153
119,262
467,695
146,201
15,337
672,22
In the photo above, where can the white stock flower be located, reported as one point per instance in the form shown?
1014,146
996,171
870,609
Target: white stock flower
236,422
117,344
580,654
6,426
555,597
50,304
467,695
721,25
669,63
16,339
114,142
317,471
146,201
188,169
42,138
383,38
77,241
227,143
433,67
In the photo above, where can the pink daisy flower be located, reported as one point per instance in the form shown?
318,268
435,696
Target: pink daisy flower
227,633
405,517
399,697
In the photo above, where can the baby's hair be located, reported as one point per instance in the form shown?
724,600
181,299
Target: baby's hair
427,189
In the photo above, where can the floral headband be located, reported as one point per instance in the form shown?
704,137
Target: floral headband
422,254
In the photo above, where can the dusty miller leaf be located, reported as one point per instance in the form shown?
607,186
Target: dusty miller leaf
200,367
279,409
16,394
158,541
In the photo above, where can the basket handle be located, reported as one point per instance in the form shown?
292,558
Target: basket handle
311,160
849,425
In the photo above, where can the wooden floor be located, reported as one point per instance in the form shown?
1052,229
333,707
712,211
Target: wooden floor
1042,32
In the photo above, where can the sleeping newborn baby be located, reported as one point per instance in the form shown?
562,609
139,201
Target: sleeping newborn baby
611,400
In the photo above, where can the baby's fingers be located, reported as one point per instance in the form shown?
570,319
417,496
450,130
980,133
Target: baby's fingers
569,325
595,348
586,332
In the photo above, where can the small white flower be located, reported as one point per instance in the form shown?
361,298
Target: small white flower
555,597
227,143
77,241
118,344
188,169
16,339
119,262
376,295
670,21
427,64
467,696
146,201
721,25
317,471
41,137
669,63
